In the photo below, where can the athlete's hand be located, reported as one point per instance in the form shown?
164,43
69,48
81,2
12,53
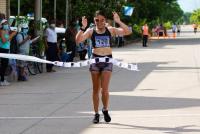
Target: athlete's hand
84,22
116,17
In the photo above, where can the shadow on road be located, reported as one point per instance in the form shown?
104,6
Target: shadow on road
169,130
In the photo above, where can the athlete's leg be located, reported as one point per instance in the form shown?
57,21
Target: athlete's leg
96,88
105,79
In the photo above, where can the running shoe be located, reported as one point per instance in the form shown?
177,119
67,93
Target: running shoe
4,83
107,117
96,118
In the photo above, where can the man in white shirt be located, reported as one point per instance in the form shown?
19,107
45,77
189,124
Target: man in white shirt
51,45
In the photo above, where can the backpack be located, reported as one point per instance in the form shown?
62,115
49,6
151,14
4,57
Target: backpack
14,47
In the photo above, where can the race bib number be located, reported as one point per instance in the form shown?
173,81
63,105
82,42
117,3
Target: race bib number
102,41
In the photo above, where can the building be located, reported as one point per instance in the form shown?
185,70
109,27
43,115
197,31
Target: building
4,7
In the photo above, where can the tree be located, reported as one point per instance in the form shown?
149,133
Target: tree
151,11
186,17
195,17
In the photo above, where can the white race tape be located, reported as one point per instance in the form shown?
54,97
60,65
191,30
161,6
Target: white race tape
24,57
128,66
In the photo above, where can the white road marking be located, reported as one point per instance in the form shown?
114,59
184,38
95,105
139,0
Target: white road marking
114,116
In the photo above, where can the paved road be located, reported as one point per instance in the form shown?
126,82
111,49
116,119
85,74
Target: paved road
162,98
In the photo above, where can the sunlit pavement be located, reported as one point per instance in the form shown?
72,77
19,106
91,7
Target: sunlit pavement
162,98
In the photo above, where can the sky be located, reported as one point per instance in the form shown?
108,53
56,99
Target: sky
189,5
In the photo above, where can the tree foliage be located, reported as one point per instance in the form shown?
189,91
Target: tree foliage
186,17
195,17
151,11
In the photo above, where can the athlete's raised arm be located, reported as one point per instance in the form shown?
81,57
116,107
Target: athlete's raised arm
83,33
123,29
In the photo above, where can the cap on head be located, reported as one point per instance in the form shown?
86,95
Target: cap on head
2,22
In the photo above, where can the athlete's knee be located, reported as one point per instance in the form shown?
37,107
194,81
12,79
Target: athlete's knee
104,91
95,90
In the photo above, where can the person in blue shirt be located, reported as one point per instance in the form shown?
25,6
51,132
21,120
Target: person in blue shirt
5,38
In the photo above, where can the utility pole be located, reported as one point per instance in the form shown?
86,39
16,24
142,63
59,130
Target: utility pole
55,10
37,17
18,7
67,13
8,9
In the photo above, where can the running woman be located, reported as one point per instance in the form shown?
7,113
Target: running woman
101,71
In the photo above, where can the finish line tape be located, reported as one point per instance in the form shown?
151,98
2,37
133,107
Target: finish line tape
129,66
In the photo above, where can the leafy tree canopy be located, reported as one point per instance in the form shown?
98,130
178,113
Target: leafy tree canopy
195,17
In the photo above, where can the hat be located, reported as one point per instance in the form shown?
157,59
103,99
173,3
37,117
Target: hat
2,21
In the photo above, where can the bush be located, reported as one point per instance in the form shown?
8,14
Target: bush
168,25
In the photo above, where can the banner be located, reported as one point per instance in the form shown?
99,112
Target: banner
129,66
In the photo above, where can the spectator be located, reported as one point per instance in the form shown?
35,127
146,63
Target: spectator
174,30
64,56
5,38
161,31
145,34
82,50
23,41
70,42
178,29
89,48
154,32
120,40
51,45
195,27
2,16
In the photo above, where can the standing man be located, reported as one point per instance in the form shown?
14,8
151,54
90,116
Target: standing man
145,34
51,45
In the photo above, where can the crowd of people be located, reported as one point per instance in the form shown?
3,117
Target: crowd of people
57,48
160,30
